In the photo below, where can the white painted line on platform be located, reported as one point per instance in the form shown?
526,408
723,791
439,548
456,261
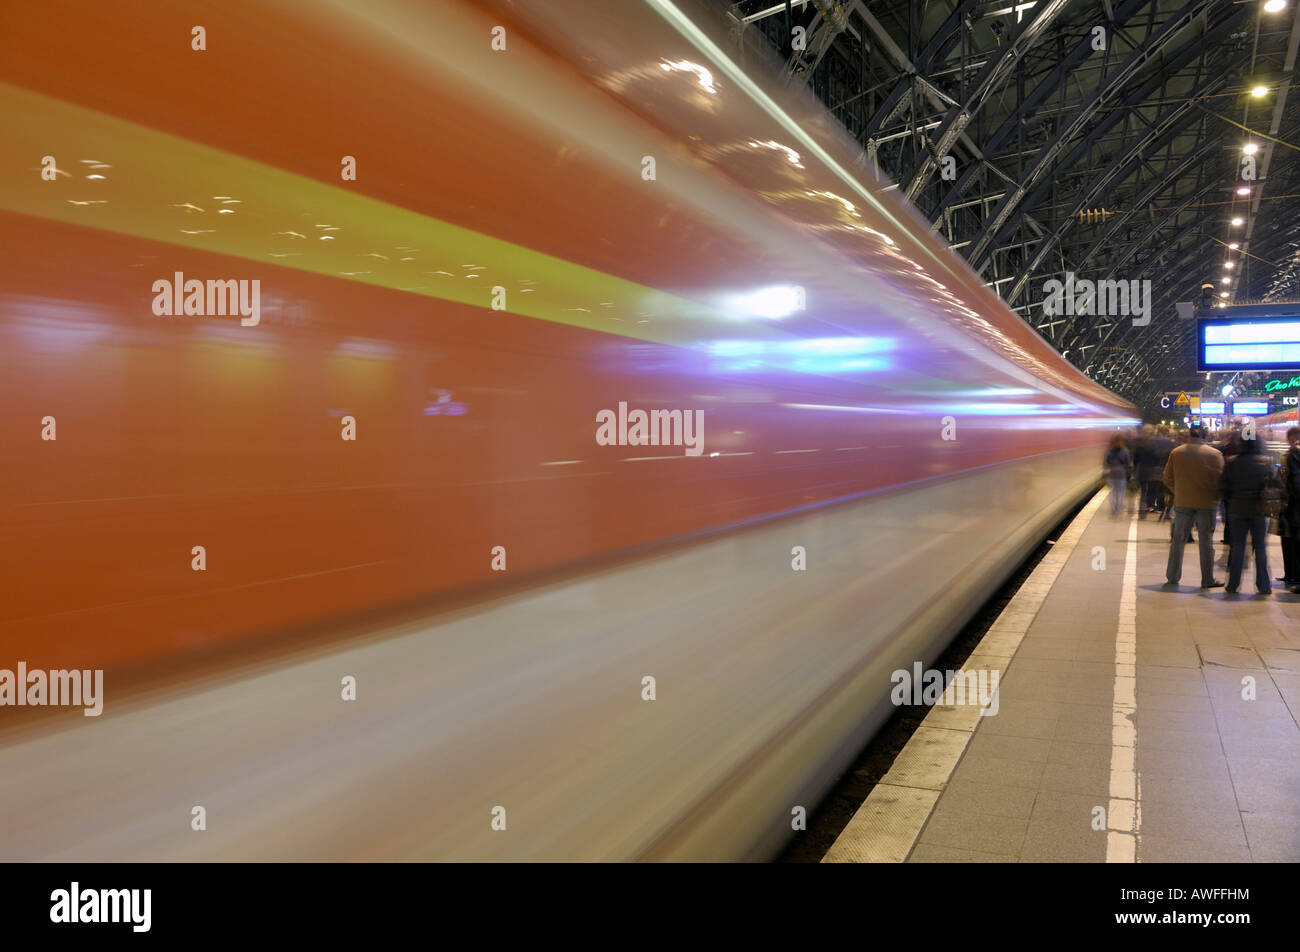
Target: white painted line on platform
1123,813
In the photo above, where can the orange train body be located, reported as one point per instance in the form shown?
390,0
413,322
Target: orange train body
475,427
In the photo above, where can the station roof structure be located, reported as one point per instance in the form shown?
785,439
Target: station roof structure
1114,140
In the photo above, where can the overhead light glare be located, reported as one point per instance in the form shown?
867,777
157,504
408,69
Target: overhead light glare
774,302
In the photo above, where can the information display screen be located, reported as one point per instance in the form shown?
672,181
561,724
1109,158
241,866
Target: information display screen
1249,344
1250,407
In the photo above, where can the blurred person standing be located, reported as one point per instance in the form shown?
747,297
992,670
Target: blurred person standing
1192,475
1229,444
1290,515
1142,461
1116,464
1151,465
1250,488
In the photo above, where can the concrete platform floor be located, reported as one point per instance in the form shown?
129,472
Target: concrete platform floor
1173,711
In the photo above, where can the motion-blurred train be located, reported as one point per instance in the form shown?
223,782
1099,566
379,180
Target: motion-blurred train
556,347
1274,427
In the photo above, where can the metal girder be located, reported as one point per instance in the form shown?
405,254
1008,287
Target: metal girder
1279,108
818,39
943,40
1170,176
1081,51
771,11
988,80
1165,123
1165,282
1181,272
937,99
1162,280
1174,275
1083,115
1072,127
1171,277
1144,241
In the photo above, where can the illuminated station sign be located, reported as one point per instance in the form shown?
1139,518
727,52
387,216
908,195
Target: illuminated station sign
1256,337
1250,407
1282,383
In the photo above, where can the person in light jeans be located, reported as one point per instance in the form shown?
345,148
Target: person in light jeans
1192,475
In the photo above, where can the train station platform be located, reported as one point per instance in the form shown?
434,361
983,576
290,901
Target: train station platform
1133,722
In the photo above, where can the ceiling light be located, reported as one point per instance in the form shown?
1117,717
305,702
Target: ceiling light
1259,92
1250,148
1223,294
1228,265
1226,281
1239,221
1272,6
1244,190
1233,246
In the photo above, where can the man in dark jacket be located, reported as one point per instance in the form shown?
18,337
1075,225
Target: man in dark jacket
1229,445
1154,453
1245,485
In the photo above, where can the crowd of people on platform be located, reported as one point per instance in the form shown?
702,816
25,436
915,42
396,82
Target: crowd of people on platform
1184,477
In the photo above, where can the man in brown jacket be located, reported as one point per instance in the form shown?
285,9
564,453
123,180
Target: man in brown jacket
1192,475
